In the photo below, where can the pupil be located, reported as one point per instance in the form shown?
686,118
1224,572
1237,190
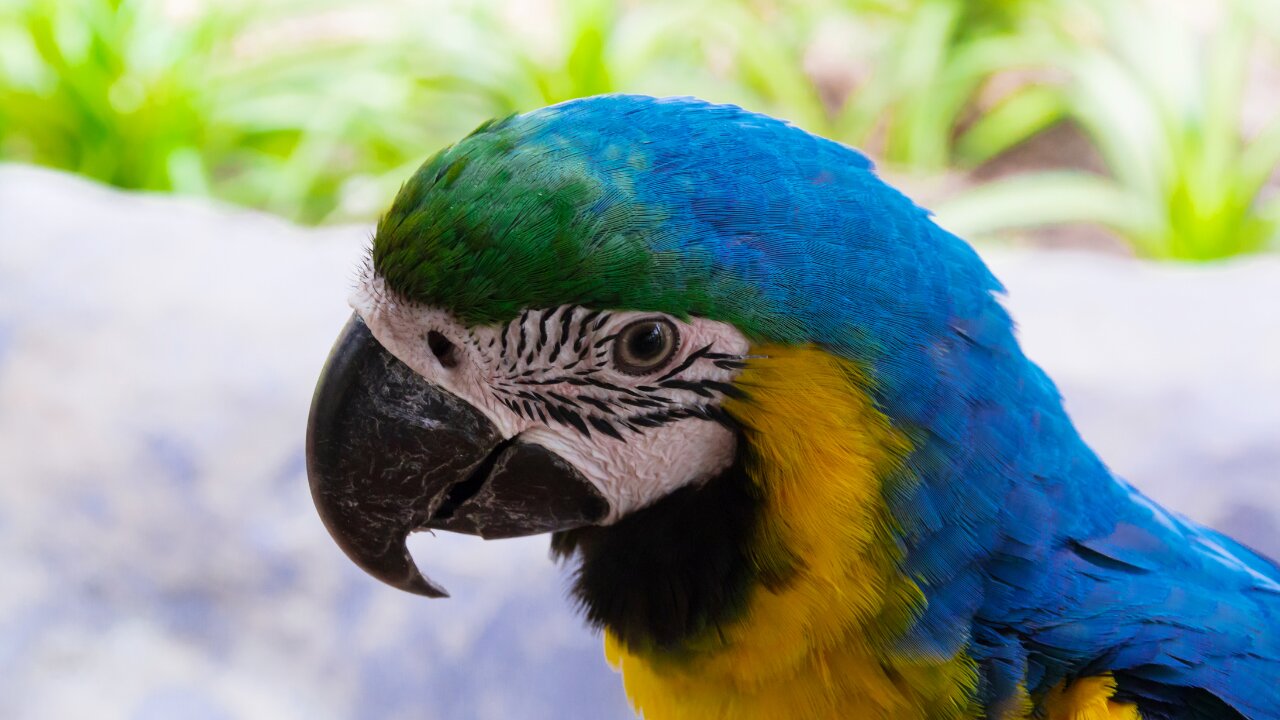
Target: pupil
647,343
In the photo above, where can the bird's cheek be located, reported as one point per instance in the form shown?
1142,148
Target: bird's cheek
644,467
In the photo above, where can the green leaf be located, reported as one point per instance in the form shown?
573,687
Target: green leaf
1045,198
1015,119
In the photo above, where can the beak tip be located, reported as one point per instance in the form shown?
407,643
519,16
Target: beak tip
397,569
428,589
418,584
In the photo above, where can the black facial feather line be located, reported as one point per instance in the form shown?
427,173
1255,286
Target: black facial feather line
542,349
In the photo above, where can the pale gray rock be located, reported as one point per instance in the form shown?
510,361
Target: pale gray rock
1171,372
161,555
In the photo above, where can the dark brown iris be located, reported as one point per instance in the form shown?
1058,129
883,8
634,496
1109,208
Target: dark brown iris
645,346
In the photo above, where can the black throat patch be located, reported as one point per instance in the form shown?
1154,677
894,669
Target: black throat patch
667,573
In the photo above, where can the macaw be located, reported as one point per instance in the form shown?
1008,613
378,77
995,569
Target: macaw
778,421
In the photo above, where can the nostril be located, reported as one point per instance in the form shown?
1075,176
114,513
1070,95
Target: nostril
444,350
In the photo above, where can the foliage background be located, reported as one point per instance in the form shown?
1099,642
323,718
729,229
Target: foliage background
1120,124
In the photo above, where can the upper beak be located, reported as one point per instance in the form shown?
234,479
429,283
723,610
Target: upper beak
389,453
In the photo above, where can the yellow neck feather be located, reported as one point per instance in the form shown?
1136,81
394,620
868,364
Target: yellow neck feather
816,642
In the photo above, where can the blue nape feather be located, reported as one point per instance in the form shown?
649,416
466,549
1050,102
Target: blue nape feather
1034,558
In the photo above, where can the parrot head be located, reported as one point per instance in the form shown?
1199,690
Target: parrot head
599,319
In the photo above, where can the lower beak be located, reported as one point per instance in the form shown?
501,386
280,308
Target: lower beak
389,453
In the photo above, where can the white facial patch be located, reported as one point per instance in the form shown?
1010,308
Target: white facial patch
551,376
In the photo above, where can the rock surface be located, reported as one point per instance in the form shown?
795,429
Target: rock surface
161,555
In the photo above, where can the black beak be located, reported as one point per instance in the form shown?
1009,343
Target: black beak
389,453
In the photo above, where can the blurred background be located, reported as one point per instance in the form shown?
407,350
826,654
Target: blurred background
1147,127
187,186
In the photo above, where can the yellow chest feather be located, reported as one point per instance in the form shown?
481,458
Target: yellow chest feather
816,638
816,642
1088,699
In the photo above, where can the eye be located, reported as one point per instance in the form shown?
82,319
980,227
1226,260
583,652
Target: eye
645,346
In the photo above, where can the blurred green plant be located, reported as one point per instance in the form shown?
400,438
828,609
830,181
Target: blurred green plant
86,89
1185,181
938,58
318,109
220,101
925,65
